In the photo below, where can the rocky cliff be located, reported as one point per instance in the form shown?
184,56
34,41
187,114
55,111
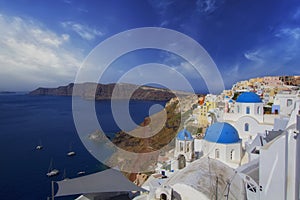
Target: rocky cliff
105,91
158,143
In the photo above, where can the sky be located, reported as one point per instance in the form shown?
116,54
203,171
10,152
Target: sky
44,43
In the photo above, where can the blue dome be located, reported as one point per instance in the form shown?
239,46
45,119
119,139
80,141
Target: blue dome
248,97
221,133
184,135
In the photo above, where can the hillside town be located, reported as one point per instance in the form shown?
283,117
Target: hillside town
247,146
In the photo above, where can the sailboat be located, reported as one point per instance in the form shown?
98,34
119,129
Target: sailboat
81,173
39,147
65,176
71,153
51,171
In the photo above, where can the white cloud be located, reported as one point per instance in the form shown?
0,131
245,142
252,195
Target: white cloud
253,56
280,56
161,6
208,6
180,65
32,55
289,32
67,1
199,72
82,30
164,23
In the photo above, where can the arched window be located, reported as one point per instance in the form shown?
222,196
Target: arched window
246,128
188,148
247,110
232,154
181,146
258,110
217,153
163,196
289,102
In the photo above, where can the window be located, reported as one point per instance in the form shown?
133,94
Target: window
232,154
188,147
163,196
217,153
181,146
247,110
238,109
258,110
251,187
246,127
289,102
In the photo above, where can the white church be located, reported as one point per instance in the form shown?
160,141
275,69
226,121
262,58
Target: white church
221,142
246,114
184,149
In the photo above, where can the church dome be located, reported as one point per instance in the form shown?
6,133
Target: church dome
221,133
184,135
248,97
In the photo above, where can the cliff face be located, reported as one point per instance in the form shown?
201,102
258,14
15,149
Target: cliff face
104,91
162,141
139,162
177,111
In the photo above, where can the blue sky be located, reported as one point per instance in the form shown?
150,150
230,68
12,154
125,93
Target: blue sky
43,43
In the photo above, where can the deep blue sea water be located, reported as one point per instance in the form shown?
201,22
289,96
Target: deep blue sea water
25,121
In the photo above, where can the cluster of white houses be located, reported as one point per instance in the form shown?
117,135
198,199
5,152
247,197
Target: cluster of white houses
245,154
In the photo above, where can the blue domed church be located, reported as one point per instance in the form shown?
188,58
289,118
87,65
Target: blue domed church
247,116
222,142
184,148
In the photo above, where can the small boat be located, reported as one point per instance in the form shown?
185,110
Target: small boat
39,147
81,173
51,171
71,153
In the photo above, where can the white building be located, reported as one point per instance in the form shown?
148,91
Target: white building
275,173
284,102
184,150
247,116
221,142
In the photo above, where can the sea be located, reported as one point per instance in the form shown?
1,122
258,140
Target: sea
27,121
